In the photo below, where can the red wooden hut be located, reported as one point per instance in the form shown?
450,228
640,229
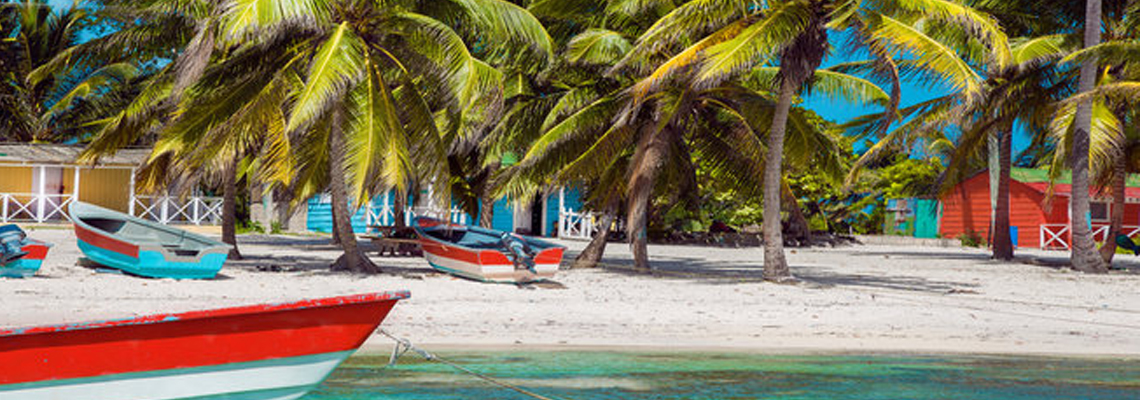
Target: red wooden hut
967,209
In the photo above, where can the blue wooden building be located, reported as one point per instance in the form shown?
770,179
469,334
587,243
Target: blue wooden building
541,218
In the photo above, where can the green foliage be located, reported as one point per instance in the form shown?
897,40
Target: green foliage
908,177
277,227
247,226
972,239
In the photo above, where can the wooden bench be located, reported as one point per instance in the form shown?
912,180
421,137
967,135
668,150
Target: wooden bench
395,241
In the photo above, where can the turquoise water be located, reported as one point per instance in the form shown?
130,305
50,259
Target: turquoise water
695,375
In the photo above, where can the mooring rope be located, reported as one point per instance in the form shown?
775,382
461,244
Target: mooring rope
404,345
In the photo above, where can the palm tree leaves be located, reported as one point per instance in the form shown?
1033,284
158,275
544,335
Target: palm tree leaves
597,47
336,66
692,19
378,148
501,29
834,85
1037,49
932,54
755,44
246,16
976,24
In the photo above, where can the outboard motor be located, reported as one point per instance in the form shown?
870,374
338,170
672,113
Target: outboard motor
11,243
518,251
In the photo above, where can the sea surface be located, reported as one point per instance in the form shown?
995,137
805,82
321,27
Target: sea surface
698,375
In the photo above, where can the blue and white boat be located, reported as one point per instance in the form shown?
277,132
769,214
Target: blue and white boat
145,248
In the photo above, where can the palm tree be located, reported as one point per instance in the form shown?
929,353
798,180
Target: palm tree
1020,88
1084,255
37,106
364,80
737,36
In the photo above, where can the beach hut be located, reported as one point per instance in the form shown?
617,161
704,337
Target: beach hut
556,214
1034,221
40,180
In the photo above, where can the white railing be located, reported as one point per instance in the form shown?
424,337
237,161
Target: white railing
31,207
575,225
195,210
384,214
1056,236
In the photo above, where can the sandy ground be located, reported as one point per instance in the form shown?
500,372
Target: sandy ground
852,299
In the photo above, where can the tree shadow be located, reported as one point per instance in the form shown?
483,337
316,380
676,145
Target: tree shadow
752,271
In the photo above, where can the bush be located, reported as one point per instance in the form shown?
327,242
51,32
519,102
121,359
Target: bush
972,239
244,227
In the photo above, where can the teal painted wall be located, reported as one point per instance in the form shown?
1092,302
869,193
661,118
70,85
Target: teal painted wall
926,219
573,201
320,213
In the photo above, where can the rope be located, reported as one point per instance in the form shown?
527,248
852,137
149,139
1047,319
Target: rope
404,345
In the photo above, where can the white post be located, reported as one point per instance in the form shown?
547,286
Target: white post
562,211
387,208
194,203
41,190
131,200
75,188
4,197
164,207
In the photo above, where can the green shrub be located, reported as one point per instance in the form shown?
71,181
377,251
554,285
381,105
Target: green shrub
972,239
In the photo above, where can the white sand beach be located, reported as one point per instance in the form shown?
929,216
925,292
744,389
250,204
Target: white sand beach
853,299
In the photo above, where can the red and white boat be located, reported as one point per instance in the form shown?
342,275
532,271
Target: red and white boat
486,254
262,352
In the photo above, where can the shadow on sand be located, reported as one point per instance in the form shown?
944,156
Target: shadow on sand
813,276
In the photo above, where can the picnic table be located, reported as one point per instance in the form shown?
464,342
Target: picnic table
395,241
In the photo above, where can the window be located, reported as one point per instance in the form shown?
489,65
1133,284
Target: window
1099,211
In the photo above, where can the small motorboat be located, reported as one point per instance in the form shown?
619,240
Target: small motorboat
145,248
485,254
20,257
270,351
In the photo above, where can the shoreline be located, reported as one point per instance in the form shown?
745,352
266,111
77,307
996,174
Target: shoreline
873,299
383,349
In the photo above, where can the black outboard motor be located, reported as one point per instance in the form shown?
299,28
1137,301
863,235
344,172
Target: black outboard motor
11,243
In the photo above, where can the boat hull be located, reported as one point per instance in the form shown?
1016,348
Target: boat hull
277,351
27,265
151,263
487,265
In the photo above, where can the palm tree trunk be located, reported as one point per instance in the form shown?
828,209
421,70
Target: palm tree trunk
799,229
486,208
229,208
353,259
1119,178
1003,244
592,254
647,164
775,265
1084,256
399,208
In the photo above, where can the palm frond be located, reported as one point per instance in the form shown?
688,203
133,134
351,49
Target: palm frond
597,47
335,68
755,45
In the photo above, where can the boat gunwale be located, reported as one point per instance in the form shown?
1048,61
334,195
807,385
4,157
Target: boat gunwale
198,315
